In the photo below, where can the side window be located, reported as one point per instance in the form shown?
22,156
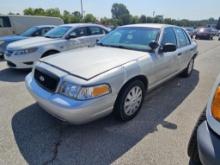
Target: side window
37,33
187,38
5,22
45,30
181,37
80,32
169,36
96,30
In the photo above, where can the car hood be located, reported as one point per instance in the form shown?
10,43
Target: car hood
87,63
12,38
32,42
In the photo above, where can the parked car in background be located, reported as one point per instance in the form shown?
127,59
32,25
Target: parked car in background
204,145
32,32
85,84
23,54
191,31
14,24
204,33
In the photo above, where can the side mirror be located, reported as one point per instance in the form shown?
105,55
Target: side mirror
168,47
153,45
71,35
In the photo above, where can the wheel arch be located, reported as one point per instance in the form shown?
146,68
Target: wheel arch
143,78
49,51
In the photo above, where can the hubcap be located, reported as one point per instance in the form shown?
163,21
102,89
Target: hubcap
190,68
133,100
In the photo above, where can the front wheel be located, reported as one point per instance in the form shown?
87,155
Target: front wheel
188,71
129,101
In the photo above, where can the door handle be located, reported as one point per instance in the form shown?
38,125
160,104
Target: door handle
179,54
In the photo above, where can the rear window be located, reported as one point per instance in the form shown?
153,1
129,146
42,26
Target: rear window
4,22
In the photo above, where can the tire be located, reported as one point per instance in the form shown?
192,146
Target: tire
192,145
188,71
48,53
120,110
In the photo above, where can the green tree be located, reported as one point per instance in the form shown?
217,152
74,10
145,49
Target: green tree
106,21
120,14
39,11
118,10
89,18
53,12
29,11
134,19
150,20
143,19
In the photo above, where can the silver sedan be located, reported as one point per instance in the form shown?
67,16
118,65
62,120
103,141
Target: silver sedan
83,85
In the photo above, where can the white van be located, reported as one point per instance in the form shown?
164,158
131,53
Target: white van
14,24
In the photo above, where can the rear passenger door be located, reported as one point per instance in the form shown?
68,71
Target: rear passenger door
95,34
81,39
184,48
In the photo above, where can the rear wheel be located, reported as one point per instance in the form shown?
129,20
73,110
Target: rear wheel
188,71
192,146
129,101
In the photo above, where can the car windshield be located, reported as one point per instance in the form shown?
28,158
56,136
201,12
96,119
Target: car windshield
29,32
58,32
134,38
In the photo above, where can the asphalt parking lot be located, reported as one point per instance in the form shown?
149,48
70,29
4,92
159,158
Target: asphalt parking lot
157,136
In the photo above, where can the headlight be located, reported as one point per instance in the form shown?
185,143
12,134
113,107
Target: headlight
2,42
84,93
25,51
216,105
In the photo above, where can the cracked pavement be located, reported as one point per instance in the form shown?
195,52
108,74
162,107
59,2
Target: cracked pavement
158,135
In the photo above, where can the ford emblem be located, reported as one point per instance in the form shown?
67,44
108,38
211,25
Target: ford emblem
42,78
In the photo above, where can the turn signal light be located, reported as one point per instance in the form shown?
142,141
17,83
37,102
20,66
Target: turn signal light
216,105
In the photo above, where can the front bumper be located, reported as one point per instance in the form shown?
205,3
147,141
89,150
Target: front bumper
208,145
69,110
22,61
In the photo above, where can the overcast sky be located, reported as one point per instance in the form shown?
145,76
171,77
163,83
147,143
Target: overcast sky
179,9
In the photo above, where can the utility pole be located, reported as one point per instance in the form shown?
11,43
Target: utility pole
82,11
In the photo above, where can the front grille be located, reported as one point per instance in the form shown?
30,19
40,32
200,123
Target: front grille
11,64
29,63
46,80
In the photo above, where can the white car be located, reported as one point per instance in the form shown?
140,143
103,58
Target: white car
23,54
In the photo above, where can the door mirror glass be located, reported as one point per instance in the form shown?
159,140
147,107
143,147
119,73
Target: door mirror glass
169,47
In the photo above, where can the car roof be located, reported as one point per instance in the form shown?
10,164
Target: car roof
43,26
81,24
150,25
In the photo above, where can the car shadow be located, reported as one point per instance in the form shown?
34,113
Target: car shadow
13,75
43,139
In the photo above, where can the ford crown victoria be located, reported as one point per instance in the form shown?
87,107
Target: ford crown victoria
82,85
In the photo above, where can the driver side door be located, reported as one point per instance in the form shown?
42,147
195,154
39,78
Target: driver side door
166,62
